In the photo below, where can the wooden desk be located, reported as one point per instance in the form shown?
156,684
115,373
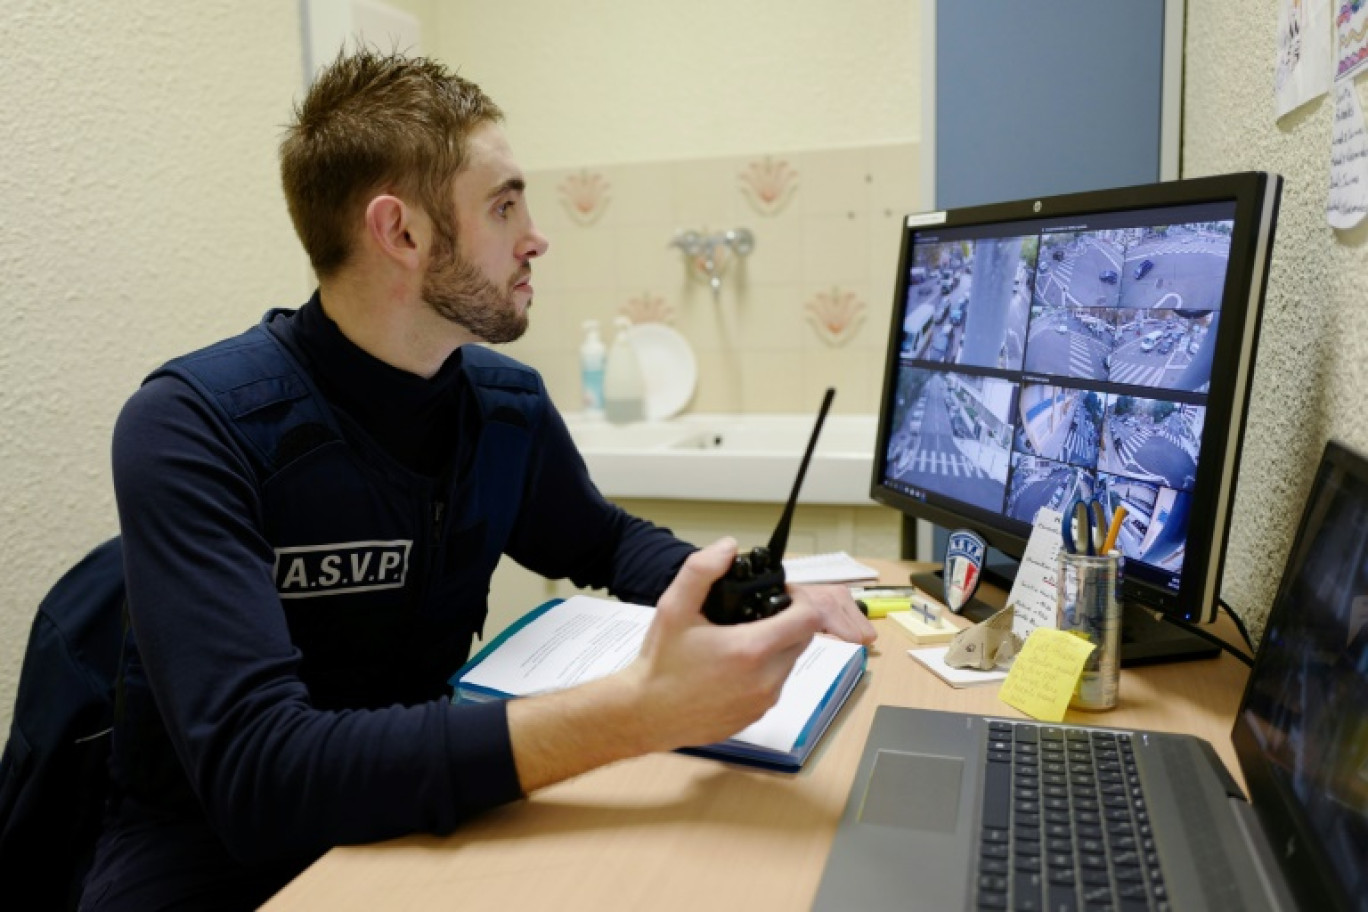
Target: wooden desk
674,832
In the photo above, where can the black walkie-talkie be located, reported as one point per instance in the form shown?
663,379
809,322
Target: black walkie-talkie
753,587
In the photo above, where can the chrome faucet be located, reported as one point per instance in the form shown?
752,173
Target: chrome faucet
702,249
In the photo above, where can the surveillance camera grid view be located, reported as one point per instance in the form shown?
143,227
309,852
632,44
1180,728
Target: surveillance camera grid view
1036,367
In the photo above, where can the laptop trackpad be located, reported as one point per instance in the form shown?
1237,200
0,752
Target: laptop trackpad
917,791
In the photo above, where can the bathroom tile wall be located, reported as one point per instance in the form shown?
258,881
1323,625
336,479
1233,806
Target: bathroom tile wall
807,309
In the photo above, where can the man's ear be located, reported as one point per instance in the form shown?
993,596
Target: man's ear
396,230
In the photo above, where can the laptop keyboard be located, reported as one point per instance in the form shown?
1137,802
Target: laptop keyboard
1065,824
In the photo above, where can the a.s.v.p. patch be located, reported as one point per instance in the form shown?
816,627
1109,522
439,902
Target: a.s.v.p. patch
341,567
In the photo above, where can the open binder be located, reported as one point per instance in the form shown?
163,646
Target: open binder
569,641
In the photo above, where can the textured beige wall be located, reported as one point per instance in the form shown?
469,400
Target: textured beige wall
142,217
1313,354
600,82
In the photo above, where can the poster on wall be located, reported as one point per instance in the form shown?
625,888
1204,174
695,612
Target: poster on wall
1348,200
1351,37
1302,72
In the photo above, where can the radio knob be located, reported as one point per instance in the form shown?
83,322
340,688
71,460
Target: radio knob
741,568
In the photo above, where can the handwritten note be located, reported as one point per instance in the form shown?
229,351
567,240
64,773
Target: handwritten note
1303,65
1044,675
1034,592
1351,38
1348,200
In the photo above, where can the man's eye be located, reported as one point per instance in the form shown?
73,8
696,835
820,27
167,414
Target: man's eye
505,206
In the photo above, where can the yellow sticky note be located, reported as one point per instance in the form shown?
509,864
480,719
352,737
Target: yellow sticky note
1045,673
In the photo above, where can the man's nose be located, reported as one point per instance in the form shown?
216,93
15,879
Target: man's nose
536,243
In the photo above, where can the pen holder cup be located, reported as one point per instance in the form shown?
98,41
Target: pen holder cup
1089,606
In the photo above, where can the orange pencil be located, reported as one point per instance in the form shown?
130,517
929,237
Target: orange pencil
1113,530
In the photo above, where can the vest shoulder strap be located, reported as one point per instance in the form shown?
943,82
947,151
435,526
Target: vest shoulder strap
263,393
509,392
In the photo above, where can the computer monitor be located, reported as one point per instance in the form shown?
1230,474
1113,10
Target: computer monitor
1097,343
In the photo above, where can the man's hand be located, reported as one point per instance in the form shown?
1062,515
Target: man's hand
700,682
693,682
841,617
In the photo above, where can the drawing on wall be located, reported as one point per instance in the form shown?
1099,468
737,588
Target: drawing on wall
1303,66
1351,38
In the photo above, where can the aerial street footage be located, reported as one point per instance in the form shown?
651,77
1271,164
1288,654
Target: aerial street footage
1039,367
1132,306
946,281
952,435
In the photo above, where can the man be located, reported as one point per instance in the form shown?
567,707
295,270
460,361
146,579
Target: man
302,581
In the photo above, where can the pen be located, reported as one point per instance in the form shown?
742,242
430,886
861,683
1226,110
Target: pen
883,591
1114,529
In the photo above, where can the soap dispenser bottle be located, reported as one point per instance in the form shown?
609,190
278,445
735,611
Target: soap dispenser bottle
592,356
624,390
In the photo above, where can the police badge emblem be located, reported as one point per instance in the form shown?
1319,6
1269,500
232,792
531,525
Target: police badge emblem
963,562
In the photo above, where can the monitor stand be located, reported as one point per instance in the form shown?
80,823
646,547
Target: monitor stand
1145,640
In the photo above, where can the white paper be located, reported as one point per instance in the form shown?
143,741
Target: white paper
584,638
576,641
1351,39
934,659
807,684
1034,591
1348,199
1304,63
837,567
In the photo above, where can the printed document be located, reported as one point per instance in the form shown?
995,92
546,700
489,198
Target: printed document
584,638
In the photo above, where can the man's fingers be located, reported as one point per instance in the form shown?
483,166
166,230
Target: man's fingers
790,629
847,623
701,569
839,614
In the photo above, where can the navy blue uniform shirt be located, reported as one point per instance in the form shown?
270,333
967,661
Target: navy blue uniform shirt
284,726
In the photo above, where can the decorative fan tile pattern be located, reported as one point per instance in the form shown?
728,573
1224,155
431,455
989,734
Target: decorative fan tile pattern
836,315
584,195
768,184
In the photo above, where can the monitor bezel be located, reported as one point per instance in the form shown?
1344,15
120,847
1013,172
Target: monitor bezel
1255,196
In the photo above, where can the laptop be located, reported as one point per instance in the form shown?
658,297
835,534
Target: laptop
954,811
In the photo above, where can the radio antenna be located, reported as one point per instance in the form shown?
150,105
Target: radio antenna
779,541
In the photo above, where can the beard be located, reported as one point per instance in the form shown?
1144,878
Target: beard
457,291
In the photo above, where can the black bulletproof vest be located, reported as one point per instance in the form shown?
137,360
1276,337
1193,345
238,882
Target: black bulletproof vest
383,574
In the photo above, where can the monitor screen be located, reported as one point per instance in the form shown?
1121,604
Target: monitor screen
1098,344
1301,733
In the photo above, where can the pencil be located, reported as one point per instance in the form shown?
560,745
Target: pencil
1113,530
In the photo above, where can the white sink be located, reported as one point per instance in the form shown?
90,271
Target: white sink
748,458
